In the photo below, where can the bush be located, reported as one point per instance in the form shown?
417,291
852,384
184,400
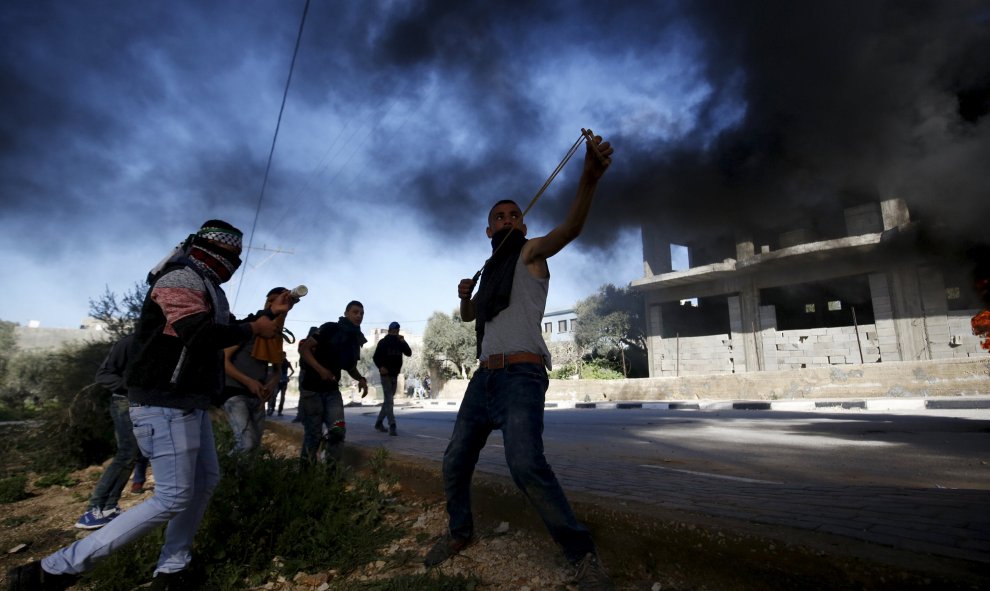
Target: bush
600,369
13,489
75,434
564,371
312,517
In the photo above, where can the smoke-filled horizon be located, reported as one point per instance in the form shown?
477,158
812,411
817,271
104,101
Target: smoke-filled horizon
125,126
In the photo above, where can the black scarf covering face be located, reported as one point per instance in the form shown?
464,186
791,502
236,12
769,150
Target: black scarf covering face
496,280
220,261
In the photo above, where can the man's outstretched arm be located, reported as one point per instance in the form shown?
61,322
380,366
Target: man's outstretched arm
595,166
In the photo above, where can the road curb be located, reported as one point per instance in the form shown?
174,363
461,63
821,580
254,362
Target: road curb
873,404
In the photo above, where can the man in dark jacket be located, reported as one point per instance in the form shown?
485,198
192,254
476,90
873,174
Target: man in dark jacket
103,502
388,360
333,348
175,368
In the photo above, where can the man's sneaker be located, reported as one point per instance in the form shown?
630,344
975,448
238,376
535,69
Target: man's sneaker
137,488
391,430
380,427
591,576
31,577
95,518
446,547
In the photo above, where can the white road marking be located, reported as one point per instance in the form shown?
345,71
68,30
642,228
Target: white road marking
709,475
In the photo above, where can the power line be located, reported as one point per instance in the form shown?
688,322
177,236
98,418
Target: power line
271,152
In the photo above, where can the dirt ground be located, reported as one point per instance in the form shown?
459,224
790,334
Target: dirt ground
504,558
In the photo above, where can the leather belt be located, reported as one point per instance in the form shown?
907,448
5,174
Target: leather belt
500,360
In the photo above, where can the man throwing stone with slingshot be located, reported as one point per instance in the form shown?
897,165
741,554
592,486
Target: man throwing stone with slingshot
508,389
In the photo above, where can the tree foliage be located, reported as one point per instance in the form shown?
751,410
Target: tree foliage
567,357
449,345
119,314
611,326
8,349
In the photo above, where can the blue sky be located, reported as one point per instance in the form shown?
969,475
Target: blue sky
125,125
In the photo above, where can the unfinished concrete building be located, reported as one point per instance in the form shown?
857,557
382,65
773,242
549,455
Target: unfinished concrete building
849,287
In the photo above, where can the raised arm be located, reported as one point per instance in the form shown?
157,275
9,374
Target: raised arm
597,159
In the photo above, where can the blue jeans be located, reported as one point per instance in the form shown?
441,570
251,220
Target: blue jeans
389,384
246,415
512,401
318,409
114,478
180,445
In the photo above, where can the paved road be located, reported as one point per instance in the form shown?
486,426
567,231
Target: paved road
912,480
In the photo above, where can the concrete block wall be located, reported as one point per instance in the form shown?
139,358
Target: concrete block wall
820,347
712,354
962,341
956,377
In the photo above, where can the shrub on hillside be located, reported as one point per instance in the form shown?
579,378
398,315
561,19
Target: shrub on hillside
312,517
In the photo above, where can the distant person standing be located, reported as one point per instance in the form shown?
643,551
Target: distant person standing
284,374
248,385
388,360
103,502
427,386
175,368
334,348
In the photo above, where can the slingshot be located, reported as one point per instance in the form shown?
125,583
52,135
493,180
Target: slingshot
587,136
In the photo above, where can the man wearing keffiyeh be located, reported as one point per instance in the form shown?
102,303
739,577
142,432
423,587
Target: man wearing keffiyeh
507,391
175,368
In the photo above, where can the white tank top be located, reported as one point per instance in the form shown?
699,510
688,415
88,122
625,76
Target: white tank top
516,329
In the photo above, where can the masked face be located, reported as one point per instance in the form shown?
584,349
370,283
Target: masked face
230,254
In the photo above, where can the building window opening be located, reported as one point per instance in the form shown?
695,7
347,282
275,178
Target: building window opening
837,302
561,326
959,291
573,325
548,327
680,257
709,316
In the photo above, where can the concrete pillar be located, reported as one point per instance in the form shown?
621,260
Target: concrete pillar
744,248
749,310
883,317
656,251
654,338
894,213
909,313
936,309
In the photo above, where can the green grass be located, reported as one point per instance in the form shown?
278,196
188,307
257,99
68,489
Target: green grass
58,478
312,517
